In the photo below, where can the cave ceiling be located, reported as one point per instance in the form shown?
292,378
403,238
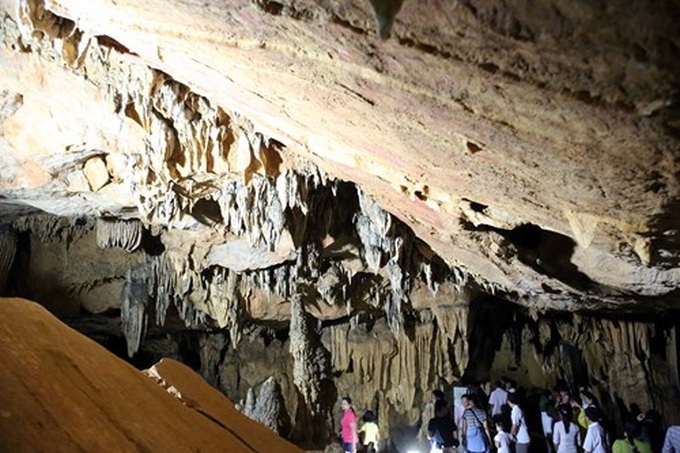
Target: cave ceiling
531,149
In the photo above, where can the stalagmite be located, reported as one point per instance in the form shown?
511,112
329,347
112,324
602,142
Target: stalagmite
134,310
267,407
444,203
311,374
310,366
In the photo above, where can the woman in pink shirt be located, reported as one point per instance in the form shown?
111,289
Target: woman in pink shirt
348,425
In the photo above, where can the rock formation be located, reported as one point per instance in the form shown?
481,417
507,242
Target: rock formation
63,392
268,408
374,198
8,247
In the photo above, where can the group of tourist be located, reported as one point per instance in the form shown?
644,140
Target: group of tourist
570,422
509,427
353,436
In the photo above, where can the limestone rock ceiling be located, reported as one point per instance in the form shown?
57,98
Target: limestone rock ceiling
532,148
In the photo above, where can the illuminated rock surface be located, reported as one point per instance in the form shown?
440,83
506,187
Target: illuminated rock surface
492,190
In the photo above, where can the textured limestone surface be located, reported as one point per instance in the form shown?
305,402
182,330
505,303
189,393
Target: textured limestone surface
535,148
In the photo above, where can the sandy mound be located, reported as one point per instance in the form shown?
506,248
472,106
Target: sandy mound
63,392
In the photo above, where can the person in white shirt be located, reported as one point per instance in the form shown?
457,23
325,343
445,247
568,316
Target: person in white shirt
498,398
502,437
596,440
566,434
519,426
672,442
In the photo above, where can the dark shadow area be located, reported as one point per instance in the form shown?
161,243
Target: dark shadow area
489,319
17,281
207,212
548,253
575,369
150,244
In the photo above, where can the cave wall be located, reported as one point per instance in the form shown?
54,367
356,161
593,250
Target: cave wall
59,264
497,154
446,337
623,361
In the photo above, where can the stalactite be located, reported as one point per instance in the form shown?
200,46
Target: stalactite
432,284
159,276
150,289
224,302
614,357
8,248
453,320
373,363
393,313
211,350
384,245
134,309
50,228
124,234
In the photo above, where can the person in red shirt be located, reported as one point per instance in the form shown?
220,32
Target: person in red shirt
348,426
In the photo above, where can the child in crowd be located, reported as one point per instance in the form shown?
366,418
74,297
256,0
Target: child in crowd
502,438
370,433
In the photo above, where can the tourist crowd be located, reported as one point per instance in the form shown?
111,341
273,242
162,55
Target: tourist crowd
566,422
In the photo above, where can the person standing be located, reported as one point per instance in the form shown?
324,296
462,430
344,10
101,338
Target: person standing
596,440
631,443
566,434
672,442
498,398
428,413
475,428
588,399
577,406
502,438
519,430
545,405
371,434
348,426
442,430
458,411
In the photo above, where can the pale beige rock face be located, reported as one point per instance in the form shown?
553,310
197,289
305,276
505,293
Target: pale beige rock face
451,131
465,117
96,173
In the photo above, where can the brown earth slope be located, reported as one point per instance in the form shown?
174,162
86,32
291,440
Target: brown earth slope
63,392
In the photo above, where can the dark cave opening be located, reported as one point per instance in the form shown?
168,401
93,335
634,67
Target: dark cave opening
207,211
